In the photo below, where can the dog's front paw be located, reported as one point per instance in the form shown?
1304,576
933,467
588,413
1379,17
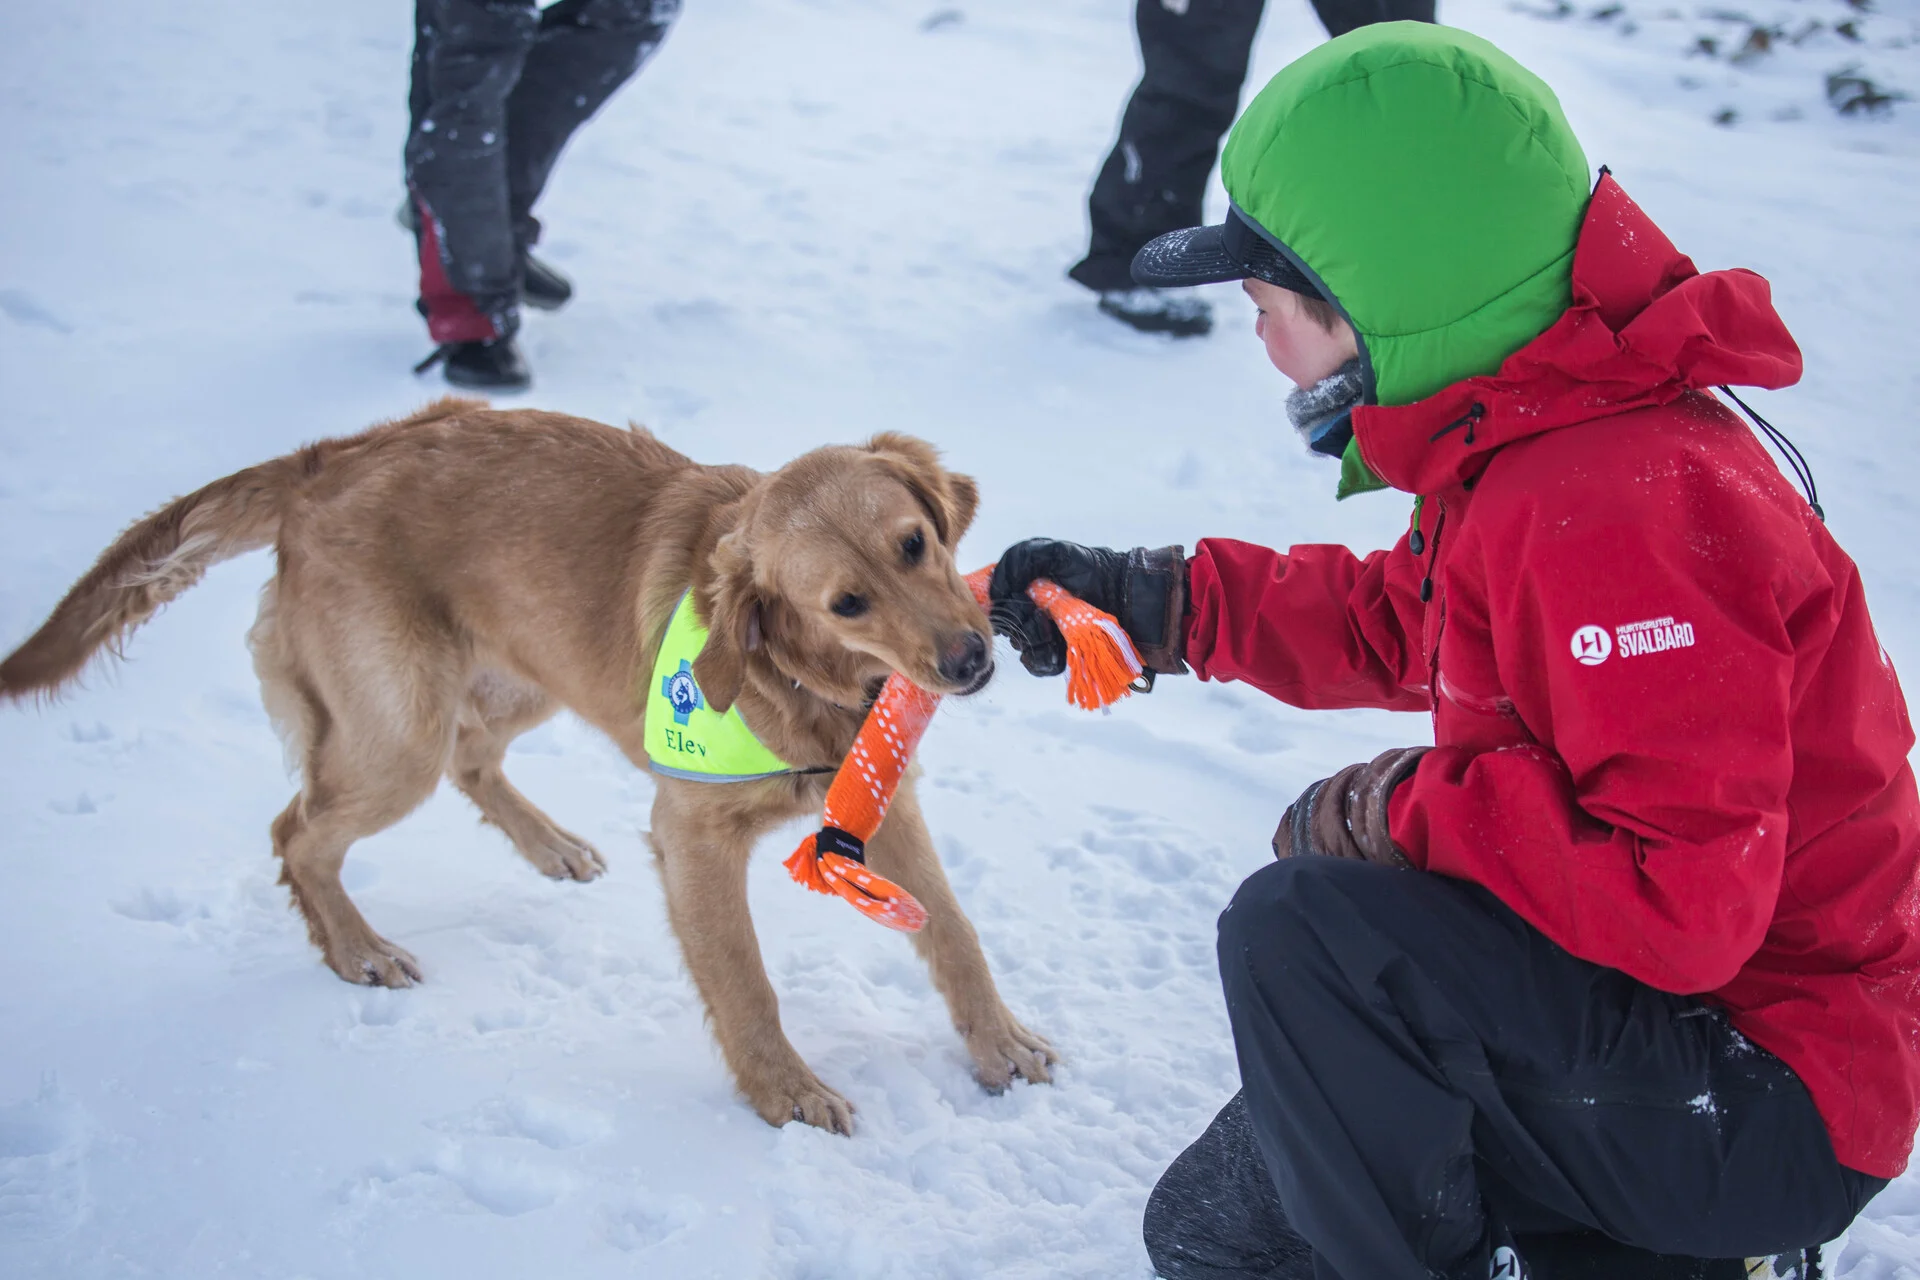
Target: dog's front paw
374,962
1004,1049
565,856
804,1099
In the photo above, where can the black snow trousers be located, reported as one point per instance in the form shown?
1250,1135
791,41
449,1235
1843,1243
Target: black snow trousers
498,88
1195,54
1427,1079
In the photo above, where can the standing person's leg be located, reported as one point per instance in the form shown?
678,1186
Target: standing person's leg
585,51
1427,1074
1342,16
408,214
1194,54
457,166
417,78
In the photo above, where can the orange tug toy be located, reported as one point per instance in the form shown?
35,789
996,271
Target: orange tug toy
1102,668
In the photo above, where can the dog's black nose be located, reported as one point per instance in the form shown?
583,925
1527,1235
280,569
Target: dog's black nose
965,662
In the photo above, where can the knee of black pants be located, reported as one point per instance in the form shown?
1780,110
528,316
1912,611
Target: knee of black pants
1281,911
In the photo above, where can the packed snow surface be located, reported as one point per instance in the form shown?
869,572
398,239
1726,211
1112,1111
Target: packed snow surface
803,223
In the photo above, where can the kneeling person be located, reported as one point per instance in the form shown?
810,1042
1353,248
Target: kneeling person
1619,978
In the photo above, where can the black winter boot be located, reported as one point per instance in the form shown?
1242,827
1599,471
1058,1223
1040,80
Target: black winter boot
543,287
1174,311
482,366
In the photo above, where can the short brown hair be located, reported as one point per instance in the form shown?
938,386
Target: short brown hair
1324,313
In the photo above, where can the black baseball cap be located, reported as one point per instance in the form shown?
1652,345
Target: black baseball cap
1234,250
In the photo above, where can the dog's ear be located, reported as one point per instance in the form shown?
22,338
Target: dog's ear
733,626
950,498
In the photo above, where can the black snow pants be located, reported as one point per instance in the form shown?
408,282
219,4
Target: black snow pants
498,88
1195,54
1426,1078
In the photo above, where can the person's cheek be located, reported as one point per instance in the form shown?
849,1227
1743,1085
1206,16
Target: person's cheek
1277,352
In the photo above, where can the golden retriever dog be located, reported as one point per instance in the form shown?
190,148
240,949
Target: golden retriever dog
449,581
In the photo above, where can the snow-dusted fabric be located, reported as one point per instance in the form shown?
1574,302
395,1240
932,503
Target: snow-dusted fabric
1320,411
498,88
1428,1078
1666,733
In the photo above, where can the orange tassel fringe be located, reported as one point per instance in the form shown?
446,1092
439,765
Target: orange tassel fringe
1101,669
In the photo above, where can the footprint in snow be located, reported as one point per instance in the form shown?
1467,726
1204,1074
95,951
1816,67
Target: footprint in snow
81,805
500,1184
1160,860
377,1007
516,1018
504,1185
22,307
642,1219
554,1125
158,906
43,1166
1260,735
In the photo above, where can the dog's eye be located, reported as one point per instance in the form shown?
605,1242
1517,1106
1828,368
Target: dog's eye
850,605
914,547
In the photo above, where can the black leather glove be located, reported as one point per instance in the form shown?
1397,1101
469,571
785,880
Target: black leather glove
1345,816
1146,591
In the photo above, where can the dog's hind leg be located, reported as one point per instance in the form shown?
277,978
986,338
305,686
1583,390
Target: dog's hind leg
903,852
499,709
702,854
363,773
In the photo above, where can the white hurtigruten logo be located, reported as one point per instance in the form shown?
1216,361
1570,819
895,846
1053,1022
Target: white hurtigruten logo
1593,646
1655,635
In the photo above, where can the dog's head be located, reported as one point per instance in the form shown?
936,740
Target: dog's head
840,570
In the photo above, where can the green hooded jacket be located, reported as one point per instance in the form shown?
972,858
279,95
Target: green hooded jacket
1430,186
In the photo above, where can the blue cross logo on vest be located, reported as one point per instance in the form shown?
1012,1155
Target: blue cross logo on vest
697,743
680,691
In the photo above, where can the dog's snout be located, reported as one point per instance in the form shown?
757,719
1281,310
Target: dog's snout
966,660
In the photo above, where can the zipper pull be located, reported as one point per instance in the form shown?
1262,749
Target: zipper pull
1417,541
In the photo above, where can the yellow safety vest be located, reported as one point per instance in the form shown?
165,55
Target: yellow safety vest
685,738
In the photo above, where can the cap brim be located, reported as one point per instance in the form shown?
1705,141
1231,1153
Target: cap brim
1197,255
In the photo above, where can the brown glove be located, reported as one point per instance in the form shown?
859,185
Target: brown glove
1345,816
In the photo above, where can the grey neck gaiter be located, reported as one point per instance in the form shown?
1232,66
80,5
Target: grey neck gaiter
1321,412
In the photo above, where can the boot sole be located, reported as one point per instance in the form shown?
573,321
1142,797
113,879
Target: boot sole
1175,327
467,382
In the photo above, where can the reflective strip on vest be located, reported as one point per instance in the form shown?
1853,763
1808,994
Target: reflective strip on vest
685,738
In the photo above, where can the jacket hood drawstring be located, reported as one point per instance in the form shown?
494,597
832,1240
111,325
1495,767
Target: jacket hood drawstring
1796,461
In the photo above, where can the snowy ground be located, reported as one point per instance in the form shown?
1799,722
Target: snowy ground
805,222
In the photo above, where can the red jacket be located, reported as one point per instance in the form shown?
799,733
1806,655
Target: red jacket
1666,733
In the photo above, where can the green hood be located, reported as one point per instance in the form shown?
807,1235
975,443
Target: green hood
1432,187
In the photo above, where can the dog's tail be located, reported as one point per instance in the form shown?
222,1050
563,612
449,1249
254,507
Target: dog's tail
148,565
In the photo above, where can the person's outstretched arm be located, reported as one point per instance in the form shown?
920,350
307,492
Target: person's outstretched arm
1316,627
